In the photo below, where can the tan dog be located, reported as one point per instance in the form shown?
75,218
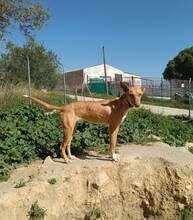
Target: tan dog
110,111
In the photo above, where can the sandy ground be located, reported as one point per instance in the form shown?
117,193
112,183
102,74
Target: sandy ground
149,182
45,170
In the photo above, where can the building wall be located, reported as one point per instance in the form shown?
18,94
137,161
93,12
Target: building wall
98,72
78,77
74,78
113,74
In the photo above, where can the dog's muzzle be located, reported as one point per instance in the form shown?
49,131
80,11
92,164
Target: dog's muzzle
137,104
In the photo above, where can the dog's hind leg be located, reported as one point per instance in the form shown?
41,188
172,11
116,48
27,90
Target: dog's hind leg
65,146
113,131
70,156
68,124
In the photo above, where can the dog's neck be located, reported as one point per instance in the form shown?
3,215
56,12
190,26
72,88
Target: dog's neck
126,101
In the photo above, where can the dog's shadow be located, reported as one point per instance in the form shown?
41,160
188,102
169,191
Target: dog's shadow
86,156
89,156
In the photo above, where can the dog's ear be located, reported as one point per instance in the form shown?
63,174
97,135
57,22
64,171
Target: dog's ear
143,88
124,86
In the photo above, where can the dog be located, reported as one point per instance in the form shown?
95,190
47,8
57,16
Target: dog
109,111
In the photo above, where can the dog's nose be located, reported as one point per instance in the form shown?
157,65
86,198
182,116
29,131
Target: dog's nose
137,104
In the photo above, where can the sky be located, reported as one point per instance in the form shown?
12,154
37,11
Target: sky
139,36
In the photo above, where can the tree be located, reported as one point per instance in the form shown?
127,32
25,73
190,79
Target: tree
22,14
44,64
181,66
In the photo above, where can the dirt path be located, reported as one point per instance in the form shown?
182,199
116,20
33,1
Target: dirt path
167,110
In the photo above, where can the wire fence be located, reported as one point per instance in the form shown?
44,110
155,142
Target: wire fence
164,89
155,88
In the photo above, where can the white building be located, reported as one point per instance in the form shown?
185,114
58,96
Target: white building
80,76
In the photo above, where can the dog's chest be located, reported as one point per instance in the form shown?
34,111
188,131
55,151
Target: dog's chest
123,118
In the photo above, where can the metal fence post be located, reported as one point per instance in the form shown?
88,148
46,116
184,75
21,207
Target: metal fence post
190,97
29,78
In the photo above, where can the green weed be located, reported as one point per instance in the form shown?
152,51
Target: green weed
36,212
67,179
52,181
186,214
20,184
96,213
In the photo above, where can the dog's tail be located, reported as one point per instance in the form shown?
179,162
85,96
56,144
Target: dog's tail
48,106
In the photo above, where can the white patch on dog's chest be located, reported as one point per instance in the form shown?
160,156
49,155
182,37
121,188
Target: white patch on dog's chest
124,117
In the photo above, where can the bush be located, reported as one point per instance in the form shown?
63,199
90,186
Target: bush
141,123
27,133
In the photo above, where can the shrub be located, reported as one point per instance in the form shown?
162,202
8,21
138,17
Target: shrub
141,123
27,133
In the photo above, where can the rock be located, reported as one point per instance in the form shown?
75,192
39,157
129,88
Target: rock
100,181
48,160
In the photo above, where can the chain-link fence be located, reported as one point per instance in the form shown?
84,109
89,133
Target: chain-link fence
155,88
164,89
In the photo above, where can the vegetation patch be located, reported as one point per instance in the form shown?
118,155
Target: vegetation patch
186,214
52,181
95,214
36,212
27,133
21,183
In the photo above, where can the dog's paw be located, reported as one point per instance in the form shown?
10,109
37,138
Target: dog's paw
67,161
72,157
116,157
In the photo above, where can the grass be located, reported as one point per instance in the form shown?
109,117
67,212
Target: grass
11,95
183,104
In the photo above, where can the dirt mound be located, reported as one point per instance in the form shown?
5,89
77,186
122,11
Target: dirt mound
150,182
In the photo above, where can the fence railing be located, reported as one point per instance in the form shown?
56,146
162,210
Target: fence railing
155,88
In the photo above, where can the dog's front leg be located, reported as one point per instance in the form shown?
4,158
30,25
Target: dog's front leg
113,131
63,152
70,156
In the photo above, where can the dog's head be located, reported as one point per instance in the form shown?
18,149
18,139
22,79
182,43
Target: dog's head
133,94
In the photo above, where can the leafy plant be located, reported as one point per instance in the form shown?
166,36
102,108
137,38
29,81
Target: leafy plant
20,184
36,212
27,133
96,213
141,123
186,214
190,149
52,181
